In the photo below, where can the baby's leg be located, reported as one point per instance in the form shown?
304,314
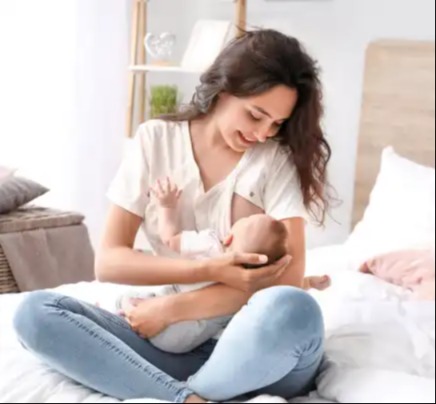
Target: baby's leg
186,336
131,299
134,296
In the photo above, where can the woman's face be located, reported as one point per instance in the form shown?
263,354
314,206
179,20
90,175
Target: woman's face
243,122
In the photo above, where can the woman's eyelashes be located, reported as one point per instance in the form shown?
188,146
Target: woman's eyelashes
258,117
254,117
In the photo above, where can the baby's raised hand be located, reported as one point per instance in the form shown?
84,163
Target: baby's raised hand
167,193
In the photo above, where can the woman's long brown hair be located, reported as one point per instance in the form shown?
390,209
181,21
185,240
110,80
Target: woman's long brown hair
252,65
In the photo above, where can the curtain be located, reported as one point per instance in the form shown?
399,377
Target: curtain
63,89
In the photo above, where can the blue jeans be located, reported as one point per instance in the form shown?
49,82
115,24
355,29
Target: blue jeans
274,345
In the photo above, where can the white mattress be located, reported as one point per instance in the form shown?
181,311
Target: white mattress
381,346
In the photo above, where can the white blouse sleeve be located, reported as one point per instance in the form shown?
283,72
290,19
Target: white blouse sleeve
283,198
130,189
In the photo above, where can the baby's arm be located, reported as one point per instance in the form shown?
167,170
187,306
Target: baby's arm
168,195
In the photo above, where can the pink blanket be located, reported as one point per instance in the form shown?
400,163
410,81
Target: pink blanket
411,269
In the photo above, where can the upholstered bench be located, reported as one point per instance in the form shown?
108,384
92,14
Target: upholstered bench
55,238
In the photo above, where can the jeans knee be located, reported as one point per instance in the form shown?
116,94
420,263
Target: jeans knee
30,319
287,310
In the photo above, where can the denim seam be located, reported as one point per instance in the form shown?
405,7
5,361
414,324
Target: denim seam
58,304
286,357
158,379
183,396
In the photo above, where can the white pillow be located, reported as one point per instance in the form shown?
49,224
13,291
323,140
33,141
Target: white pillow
401,212
6,172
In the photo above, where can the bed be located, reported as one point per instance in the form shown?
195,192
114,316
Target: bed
380,342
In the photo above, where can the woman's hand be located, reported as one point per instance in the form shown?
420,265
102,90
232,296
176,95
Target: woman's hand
148,317
229,271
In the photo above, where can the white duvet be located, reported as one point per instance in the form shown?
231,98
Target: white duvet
380,345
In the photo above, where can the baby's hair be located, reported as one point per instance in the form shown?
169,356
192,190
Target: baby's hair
278,235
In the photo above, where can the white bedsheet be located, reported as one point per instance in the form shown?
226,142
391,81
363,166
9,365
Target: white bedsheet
381,347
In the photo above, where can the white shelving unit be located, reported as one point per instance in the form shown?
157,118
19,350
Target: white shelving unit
161,69
138,69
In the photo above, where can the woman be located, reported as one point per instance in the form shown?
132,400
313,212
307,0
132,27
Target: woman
249,142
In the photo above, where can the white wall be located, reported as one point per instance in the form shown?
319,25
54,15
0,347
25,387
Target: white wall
62,97
337,33
63,82
102,54
36,73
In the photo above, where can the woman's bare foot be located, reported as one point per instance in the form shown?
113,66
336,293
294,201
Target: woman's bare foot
195,399
320,282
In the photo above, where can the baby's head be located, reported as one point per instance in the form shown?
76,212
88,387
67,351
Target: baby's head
259,234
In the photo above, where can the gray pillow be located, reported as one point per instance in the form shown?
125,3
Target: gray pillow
17,191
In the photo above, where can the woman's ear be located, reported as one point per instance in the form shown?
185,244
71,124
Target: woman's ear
228,240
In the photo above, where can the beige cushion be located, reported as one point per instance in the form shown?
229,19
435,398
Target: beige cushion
37,218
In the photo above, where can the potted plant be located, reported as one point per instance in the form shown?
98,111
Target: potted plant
163,100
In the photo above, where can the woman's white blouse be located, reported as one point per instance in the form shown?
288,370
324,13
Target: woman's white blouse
265,176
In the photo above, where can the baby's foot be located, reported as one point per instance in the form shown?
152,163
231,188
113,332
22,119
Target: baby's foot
320,282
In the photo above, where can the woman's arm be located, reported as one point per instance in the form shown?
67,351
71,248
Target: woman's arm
294,274
204,304
216,301
222,300
117,262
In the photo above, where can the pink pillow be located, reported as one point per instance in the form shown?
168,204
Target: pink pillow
411,269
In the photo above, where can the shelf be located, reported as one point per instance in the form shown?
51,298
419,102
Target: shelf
138,69
161,69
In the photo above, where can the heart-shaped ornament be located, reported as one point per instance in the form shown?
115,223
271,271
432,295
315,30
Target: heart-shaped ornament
161,46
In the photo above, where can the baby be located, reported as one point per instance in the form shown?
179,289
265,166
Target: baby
258,234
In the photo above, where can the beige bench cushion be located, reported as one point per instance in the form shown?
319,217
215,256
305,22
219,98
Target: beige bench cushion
33,218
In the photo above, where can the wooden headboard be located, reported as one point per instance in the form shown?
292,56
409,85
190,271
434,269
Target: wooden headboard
398,110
